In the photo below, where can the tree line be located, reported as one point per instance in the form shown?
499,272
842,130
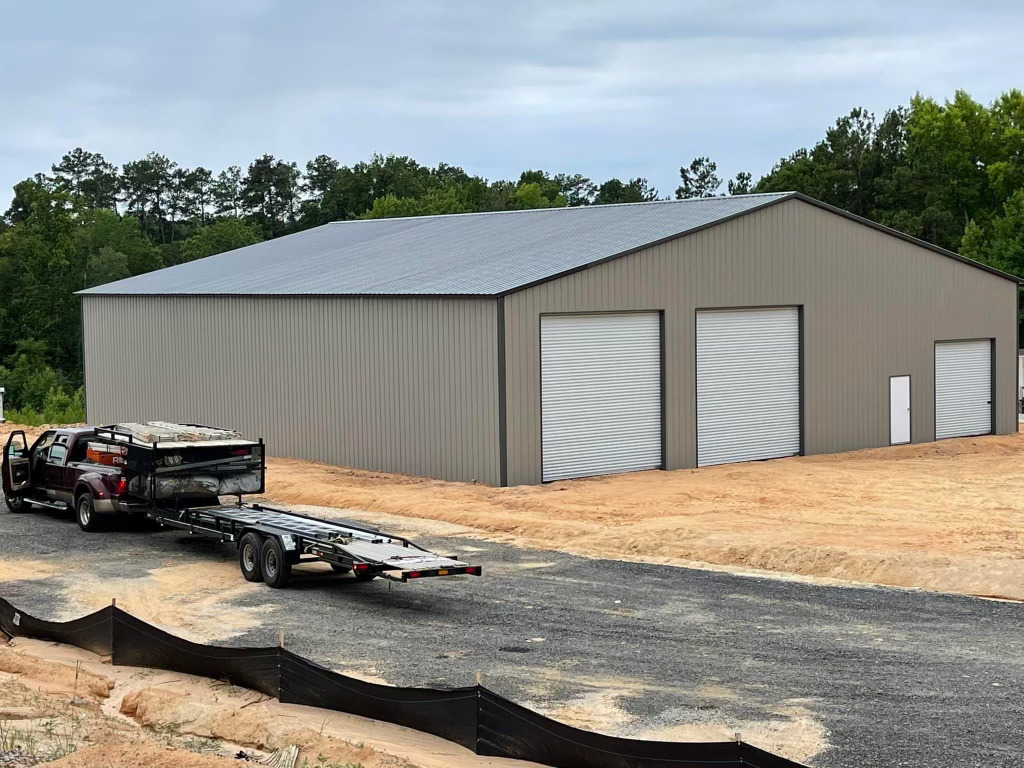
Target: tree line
950,173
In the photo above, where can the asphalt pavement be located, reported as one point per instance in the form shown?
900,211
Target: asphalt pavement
886,677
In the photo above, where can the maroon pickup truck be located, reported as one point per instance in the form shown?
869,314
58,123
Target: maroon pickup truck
56,473
101,471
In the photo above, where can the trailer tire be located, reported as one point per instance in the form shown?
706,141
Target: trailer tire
86,515
250,555
16,503
274,564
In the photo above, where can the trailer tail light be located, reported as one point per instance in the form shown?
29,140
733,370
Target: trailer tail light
412,575
361,567
122,485
473,570
240,452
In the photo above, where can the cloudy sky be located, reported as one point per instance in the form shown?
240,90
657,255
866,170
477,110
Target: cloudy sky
602,88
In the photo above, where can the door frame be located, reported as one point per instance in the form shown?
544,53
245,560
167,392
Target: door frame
991,385
910,401
800,366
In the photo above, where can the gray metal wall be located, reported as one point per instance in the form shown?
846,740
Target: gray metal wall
874,305
402,385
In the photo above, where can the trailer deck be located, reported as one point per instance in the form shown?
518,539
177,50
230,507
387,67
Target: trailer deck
346,546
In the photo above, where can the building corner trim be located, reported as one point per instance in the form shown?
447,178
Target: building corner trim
502,390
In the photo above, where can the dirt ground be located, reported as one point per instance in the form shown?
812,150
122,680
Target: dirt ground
66,707
943,516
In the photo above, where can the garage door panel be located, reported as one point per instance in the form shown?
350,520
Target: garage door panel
748,384
963,388
600,394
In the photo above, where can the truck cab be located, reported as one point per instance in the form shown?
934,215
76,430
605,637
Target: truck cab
100,471
56,473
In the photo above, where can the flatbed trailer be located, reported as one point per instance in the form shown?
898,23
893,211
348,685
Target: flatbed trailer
270,541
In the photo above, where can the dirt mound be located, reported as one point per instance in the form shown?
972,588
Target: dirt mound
165,719
70,681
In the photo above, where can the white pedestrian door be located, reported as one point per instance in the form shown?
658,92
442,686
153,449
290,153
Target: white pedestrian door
748,384
899,410
963,388
600,394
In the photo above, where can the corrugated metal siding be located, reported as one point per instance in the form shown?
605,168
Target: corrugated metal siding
401,385
873,306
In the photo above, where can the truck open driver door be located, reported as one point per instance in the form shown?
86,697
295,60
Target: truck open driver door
16,472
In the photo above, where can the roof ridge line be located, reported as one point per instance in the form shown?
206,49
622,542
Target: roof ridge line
565,208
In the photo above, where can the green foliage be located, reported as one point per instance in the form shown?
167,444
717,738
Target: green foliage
58,408
699,179
224,235
951,173
632,191
27,378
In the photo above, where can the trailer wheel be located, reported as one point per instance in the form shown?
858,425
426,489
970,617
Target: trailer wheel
249,556
276,568
87,518
15,503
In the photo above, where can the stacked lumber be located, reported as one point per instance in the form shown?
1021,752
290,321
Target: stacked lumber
169,432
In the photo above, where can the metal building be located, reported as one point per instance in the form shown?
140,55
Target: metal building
527,346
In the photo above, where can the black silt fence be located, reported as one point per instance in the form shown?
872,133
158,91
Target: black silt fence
93,632
138,644
510,730
475,717
450,713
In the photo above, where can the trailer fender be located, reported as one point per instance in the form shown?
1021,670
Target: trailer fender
92,482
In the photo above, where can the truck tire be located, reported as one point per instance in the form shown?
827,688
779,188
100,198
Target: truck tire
86,515
275,566
249,555
15,503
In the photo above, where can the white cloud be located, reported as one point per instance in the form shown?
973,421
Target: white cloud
603,88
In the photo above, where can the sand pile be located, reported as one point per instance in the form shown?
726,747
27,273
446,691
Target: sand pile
944,516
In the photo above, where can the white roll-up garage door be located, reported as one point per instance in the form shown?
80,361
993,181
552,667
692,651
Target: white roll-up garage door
963,388
600,393
748,384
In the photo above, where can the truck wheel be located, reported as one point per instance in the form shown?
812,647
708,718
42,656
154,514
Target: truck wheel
87,518
15,503
249,552
276,568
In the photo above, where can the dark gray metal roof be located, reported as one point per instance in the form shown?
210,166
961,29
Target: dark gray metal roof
472,254
468,254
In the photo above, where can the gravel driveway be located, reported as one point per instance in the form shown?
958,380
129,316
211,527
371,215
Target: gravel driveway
834,676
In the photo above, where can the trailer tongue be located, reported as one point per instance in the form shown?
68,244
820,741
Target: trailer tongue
270,541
